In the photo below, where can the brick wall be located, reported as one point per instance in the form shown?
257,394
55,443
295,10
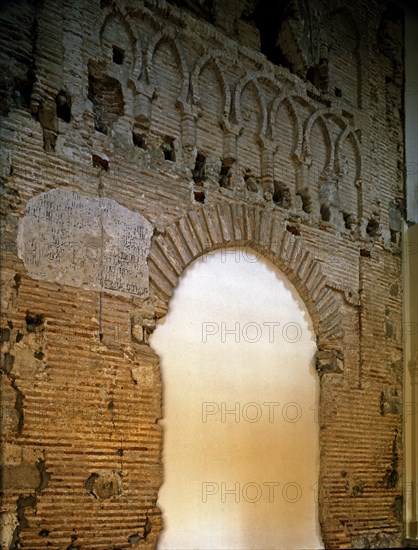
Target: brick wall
177,116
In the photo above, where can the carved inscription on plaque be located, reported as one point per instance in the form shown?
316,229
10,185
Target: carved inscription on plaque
84,242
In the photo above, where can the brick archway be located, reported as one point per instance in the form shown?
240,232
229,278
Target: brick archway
210,228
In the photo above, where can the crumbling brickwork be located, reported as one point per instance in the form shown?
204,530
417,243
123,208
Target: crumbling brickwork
214,124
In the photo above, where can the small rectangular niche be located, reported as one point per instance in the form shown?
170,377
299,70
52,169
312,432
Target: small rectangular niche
199,196
63,103
118,55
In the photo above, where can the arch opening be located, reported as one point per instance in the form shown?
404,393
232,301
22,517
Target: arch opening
241,433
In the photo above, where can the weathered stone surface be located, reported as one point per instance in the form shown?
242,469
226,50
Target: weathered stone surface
390,402
144,376
328,362
21,477
9,523
89,243
104,485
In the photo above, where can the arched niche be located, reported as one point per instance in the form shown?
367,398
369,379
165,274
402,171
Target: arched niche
167,70
241,434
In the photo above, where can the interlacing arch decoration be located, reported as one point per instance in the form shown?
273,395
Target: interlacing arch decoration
317,117
335,148
211,58
254,80
169,36
190,99
237,225
130,30
285,99
346,134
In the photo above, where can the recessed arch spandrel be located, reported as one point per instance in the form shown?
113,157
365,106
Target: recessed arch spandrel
285,101
211,59
168,76
251,116
211,96
348,134
250,83
170,39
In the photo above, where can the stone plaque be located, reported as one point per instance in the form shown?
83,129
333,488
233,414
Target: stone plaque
85,242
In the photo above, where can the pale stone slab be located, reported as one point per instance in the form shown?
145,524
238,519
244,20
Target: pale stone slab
85,242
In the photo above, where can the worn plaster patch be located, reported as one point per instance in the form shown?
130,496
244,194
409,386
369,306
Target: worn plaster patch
103,485
143,375
8,523
92,243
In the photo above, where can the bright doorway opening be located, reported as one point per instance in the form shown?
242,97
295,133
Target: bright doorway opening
240,417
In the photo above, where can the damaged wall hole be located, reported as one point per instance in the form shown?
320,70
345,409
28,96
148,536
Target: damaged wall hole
269,21
63,103
7,363
281,195
19,406
34,321
135,538
168,149
199,176
105,485
391,476
372,228
293,229
199,169
251,181
46,115
139,140
225,174
4,334
349,220
43,475
105,93
100,162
